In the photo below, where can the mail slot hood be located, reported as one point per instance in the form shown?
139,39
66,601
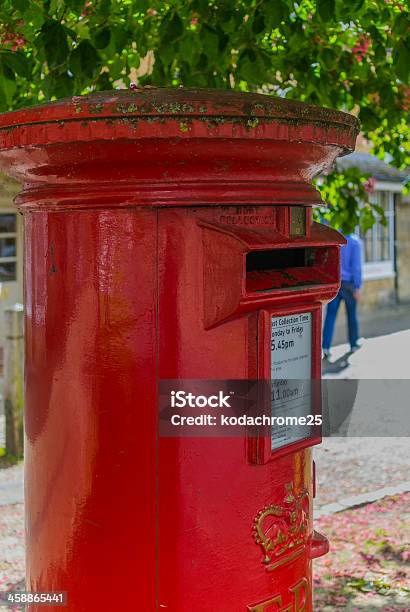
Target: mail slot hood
266,266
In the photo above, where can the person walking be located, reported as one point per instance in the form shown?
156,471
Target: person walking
349,292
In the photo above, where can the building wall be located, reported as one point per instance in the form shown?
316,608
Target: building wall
403,248
11,292
379,270
377,293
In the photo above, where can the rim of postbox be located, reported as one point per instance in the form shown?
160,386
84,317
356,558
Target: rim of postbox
257,131
242,109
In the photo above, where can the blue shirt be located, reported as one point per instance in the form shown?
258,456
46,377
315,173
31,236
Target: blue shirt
351,261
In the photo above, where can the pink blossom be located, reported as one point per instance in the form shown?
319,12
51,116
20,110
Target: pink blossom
360,48
370,184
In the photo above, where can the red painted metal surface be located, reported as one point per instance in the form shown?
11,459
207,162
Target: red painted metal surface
140,209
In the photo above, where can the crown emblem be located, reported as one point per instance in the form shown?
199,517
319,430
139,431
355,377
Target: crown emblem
281,530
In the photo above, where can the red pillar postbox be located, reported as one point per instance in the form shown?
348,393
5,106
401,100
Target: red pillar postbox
168,235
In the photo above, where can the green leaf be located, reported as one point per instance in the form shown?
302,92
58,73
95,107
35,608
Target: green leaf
251,66
63,86
326,9
274,13
57,8
104,8
229,25
3,100
401,24
258,24
134,60
17,62
210,43
8,86
188,48
54,39
296,41
380,53
116,66
328,59
103,82
76,5
223,41
142,5
59,85
120,37
401,60
102,38
71,33
21,5
349,10
245,69
84,60
175,27
166,53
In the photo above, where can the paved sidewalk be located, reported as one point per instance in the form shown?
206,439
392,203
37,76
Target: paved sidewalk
378,322
353,466
11,478
383,357
349,466
11,485
11,547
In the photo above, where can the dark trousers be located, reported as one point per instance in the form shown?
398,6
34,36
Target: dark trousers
345,294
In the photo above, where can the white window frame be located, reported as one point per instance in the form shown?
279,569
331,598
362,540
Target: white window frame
10,235
373,270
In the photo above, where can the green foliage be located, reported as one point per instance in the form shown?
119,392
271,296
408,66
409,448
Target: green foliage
7,460
348,54
342,191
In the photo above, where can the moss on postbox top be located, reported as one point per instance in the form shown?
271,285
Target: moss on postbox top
213,108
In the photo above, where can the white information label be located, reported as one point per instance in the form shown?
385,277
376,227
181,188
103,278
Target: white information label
291,372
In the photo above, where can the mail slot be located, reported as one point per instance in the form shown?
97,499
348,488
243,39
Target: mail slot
169,241
296,268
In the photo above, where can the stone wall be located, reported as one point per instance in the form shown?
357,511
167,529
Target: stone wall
377,294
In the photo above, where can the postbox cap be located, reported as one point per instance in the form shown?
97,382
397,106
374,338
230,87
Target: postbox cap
167,138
